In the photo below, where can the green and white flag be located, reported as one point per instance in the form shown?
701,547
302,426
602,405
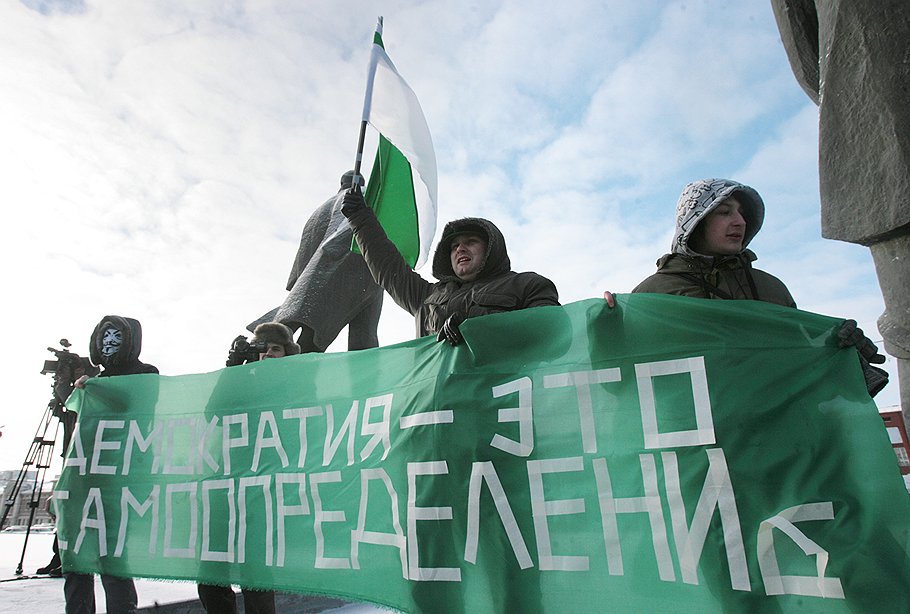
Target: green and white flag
402,186
563,459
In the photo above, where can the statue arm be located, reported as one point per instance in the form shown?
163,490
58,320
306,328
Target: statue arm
797,21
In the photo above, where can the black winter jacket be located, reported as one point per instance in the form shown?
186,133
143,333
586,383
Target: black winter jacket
496,289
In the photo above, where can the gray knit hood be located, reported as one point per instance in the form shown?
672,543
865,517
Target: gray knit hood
701,197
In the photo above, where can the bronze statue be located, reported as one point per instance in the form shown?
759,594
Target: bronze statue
330,286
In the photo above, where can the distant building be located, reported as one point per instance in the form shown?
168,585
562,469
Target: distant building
20,510
897,432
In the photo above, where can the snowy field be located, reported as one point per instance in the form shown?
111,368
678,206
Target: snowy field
45,595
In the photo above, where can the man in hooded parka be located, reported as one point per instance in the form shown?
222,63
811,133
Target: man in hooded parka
693,269
716,219
115,345
483,283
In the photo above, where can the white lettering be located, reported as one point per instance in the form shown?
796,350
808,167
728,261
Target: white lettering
347,429
101,445
359,536
208,554
703,434
541,509
378,431
649,504
582,382
289,510
717,493
426,574
229,442
302,414
127,500
485,472
93,499
267,419
521,414
190,490
322,516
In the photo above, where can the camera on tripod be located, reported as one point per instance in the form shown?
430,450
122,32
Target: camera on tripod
68,367
242,351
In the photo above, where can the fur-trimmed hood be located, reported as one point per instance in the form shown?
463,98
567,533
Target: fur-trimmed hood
130,335
495,261
701,197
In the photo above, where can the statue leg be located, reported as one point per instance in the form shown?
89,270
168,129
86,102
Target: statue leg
362,329
892,264
306,341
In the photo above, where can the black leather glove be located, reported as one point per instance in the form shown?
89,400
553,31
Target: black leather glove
450,331
352,202
851,334
876,378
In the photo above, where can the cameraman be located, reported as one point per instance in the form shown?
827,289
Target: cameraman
270,340
115,345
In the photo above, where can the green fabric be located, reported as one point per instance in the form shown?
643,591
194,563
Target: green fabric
390,193
582,499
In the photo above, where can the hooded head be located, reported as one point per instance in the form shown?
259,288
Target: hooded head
347,180
494,261
700,198
276,332
116,341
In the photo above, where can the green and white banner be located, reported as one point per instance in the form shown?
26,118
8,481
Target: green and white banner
670,454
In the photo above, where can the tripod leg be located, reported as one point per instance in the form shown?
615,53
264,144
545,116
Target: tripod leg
39,458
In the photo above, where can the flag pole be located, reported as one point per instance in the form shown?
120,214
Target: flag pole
367,103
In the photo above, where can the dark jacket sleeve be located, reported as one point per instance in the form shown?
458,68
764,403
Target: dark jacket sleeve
539,291
386,265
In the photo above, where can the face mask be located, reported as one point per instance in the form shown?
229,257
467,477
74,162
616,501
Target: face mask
110,342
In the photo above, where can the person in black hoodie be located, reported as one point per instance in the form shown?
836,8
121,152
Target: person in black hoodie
115,346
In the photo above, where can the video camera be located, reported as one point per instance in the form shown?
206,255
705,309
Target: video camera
242,351
68,367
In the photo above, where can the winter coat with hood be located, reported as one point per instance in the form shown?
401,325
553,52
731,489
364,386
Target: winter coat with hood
496,289
125,360
686,272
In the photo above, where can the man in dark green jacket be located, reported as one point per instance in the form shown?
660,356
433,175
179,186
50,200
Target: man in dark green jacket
715,221
470,262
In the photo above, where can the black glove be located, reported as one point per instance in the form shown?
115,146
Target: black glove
876,378
851,334
449,331
352,202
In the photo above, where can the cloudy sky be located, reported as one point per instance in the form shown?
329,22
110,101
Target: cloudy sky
160,158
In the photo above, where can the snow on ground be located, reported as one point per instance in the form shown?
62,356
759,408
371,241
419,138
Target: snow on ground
44,595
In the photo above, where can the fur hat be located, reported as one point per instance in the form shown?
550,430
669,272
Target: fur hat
276,332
